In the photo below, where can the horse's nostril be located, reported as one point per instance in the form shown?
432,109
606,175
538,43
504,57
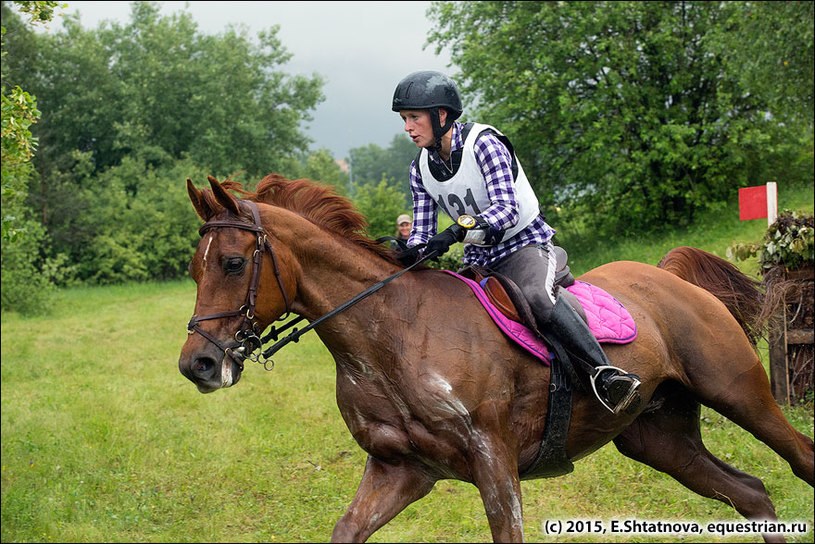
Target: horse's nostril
203,366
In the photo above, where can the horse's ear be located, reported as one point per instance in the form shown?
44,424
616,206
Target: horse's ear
224,197
201,209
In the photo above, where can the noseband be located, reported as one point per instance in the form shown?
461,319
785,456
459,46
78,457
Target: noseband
247,335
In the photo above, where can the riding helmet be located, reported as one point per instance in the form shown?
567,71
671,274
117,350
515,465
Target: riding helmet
428,90
425,90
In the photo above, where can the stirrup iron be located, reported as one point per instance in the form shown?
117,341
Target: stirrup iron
626,401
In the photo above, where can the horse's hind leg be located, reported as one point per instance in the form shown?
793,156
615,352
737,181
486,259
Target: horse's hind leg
669,440
743,395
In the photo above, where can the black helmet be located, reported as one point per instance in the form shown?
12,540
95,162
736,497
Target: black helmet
425,90
428,90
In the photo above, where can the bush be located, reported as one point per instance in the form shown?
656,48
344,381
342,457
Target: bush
380,204
27,286
452,260
135,222
788,242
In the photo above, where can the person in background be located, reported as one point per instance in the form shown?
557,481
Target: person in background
403,225
471,172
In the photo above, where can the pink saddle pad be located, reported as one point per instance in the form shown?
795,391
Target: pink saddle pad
608,318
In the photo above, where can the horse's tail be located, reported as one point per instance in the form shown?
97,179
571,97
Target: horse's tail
741,295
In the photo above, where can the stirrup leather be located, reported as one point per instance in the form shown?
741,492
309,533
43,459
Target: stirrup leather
623,404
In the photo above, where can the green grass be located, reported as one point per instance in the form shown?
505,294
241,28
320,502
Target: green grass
103,440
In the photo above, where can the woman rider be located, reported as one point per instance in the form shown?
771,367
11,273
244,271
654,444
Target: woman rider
472,174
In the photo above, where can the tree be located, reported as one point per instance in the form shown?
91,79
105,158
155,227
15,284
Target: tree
372,163
19,112
159,86
129,107
770,46
622,112
381,204
321,166
26,274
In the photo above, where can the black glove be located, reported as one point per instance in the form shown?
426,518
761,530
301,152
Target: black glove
441,242
409,256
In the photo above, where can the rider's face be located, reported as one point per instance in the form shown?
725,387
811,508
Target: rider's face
418,126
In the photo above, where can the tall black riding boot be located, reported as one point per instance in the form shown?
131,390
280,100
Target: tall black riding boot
615,388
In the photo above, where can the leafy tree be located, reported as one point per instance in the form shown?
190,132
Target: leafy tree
158,84
27,275
19,112
381,204
321,166
371,163
622,112
130,111
770,46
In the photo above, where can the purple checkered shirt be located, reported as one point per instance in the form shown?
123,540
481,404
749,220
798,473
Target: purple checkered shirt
495,162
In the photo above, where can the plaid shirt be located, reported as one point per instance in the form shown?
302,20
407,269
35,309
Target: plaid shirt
495,162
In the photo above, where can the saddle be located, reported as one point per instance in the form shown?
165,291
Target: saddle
505,295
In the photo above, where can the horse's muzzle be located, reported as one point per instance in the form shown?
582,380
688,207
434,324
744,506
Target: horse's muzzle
209,373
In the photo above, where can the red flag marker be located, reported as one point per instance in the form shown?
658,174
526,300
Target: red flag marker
759,202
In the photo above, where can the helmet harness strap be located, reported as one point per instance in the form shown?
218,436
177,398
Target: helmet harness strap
438,130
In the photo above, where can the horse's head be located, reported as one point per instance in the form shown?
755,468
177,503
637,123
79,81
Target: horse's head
243,285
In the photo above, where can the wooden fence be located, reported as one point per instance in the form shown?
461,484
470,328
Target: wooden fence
792,346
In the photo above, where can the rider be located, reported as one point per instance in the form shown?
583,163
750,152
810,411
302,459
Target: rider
471,172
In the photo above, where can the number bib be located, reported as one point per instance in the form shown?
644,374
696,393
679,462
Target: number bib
466,192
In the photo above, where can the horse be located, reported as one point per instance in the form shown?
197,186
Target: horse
431,389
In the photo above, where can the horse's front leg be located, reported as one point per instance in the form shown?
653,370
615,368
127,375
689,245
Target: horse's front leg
385,490
495,472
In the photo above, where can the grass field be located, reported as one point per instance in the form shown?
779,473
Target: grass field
104,441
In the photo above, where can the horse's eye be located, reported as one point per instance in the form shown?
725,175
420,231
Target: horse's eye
234,265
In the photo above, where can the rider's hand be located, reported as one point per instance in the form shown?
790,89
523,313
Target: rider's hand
441,242
409,256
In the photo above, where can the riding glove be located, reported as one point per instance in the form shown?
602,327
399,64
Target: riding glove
409,256
441,242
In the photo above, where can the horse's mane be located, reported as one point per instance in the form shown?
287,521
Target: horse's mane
316,202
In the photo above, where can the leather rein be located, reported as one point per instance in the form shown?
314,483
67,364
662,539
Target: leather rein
250,343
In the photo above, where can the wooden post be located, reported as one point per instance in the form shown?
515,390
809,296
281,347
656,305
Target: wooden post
791,343
779,370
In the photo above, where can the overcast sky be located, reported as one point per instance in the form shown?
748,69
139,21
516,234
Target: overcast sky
362,49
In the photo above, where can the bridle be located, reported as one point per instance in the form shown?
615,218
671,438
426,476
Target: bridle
250,343
247,335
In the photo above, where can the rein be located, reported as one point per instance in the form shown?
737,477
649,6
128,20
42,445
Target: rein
295,335
247,335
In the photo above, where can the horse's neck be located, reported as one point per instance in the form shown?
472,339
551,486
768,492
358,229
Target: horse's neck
332,271
335,274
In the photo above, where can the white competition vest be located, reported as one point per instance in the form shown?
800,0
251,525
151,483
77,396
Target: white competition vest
466,192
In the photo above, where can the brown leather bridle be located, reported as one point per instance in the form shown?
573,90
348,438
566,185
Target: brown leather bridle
248,335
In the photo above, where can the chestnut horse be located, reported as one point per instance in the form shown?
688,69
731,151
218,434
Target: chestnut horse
431,389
